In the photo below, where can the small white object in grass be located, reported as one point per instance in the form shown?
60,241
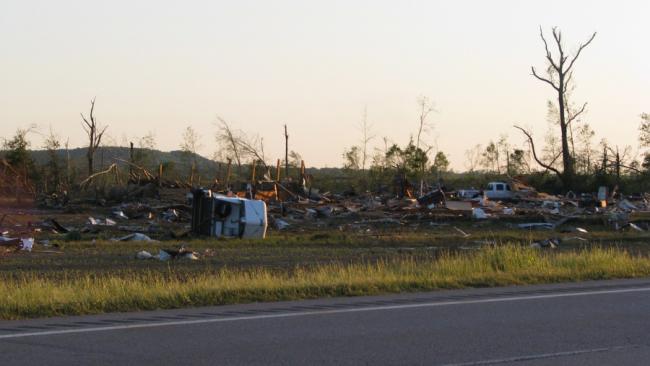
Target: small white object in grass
462,232
163,255
134,237
636,227
28,243
190,256
143,254
120,215
281,224
478,213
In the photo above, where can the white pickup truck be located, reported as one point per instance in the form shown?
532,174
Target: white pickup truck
499,191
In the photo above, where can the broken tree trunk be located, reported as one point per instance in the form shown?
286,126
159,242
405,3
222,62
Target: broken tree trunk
228,172
286,152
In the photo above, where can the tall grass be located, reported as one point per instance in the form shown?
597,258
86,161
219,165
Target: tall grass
32,295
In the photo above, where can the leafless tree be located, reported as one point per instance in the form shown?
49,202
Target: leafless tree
615,161
52,144
548,166
426,107
95,133
559,77
584,157
473,157
227,139
379,160
424,126
253,148
366,137
190,145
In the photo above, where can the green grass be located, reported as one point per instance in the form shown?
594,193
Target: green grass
31,293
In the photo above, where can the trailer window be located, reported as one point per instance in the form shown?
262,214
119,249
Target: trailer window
499,187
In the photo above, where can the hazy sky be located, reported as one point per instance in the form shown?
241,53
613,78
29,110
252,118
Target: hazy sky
159,66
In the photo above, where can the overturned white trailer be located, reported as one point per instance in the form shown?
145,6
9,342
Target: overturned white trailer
222,216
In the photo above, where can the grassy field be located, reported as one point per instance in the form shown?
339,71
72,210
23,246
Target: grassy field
84,277
31,294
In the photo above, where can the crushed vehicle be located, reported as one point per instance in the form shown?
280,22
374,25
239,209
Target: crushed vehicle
223,216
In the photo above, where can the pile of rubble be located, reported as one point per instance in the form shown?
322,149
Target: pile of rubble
522,203
296,208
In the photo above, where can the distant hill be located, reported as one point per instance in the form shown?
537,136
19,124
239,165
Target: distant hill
113,154
177,165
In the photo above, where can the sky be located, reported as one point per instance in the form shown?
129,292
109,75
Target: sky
160,66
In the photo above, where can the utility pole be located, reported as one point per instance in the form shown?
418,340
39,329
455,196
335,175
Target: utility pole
286,152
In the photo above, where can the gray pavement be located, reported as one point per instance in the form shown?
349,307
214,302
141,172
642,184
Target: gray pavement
589,323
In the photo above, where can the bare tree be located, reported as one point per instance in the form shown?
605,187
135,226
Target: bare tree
560,75
585,152
190,145
52,144
552,149
424,126
503,148
473,158
228,139
253,148
366,137
547,166
379,161
95,133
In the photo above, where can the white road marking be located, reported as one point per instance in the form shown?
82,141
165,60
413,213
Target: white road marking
323,312
540,356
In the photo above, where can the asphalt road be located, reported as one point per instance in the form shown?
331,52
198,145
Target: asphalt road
590,323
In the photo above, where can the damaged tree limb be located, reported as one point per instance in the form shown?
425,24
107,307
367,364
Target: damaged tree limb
532,148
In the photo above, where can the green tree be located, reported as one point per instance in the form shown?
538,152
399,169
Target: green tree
352,158
491,158
440,163
517,162
16,150
410,159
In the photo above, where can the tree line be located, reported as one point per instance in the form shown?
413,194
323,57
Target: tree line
568,158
